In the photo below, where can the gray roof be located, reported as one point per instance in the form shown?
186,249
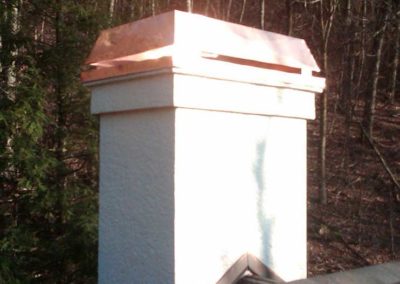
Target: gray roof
388,273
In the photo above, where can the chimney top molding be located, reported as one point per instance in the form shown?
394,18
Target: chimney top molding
181,42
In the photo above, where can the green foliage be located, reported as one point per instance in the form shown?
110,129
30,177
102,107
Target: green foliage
48,144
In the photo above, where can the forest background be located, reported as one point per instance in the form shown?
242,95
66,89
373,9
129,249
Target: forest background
49,140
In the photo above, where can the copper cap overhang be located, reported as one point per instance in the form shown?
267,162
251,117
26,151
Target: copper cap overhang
154,42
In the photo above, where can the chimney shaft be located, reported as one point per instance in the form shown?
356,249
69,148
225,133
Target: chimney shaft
202,149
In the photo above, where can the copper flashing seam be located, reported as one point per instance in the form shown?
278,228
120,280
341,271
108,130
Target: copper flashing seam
199,66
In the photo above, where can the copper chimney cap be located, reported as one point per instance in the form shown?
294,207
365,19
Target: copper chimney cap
156,42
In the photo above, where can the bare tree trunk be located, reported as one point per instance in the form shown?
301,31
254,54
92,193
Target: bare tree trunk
369,110
242,11
141,9
326,27
289,9
262,15
111,10
189,6
14,21
153,7
347,80
363,43
39,32
133,10
391,227
10,26
207,7
228,12
322,152
9,21
393,84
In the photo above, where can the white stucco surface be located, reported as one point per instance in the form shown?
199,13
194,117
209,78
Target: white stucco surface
128,95
136,234
240,186
194,173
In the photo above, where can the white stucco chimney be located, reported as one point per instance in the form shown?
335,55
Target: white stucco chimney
202,149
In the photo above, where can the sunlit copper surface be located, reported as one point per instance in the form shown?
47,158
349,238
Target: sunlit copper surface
176,38
132,38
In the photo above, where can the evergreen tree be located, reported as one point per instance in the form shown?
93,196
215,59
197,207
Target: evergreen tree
48,143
